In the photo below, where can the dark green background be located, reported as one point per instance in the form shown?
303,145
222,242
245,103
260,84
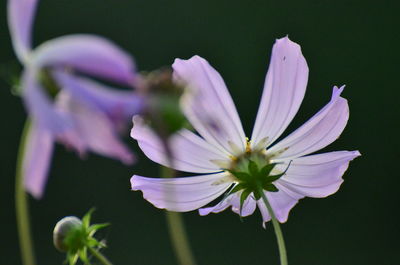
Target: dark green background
345,42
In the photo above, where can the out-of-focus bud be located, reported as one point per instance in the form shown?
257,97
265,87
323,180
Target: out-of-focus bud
66,227
75,237
163,109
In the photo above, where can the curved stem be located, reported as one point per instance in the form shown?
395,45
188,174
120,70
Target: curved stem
100,257
277,228
177,231
21,204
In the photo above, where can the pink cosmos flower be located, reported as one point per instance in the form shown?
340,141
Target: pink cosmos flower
222,153
84,115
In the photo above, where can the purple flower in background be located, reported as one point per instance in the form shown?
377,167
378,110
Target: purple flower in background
223,154
83,114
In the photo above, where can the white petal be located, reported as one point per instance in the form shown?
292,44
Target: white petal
181,194
233,200
319,131
281,202
248,207
190,152
264,212
284,89
317,175
37,158
219,207
208,105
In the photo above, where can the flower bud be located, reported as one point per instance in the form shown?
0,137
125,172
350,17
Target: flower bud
163,103
63,228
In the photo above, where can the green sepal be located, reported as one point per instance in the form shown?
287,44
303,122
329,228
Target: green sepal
266,170
237,188
271,187
253,168
83,256
273,178
257,194
243,176
72,258
86,218
243,197
94,228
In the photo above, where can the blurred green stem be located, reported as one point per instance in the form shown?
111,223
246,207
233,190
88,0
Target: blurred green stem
177,231
100,257
277,228
21,204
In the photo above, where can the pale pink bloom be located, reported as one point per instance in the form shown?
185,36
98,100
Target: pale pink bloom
211,111
85,115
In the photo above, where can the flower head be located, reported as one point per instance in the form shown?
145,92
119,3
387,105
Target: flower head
230,163
65,104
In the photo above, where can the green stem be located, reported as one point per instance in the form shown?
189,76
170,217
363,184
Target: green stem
21,204
100,257
277,228
177,231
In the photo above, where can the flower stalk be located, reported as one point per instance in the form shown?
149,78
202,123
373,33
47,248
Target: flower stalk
21,204
175,222
179,238
277,229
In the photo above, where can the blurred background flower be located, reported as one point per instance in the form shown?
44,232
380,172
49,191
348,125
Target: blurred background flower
63,106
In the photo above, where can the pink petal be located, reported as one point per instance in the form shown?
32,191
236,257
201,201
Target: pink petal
284,89
37,158
319,131
181,194
317,175
92,130
190,152
20,19
87,53
39,105
233,200
208,105
117,104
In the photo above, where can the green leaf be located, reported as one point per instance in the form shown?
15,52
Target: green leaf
253,168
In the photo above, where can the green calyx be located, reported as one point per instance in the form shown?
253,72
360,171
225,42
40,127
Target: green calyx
253,174
75,236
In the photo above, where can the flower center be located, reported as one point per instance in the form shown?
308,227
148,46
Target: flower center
252,171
